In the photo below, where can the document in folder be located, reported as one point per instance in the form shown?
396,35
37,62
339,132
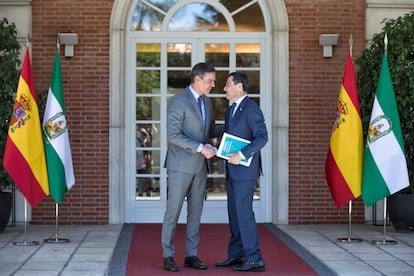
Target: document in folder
232,144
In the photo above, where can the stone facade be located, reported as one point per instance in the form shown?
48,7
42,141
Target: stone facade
314,83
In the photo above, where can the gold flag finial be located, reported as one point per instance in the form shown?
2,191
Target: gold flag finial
28,40
57,41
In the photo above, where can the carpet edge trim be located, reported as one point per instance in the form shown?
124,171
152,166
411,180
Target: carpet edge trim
119,258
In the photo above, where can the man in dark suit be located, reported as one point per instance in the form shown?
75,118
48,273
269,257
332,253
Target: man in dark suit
244,119
190,125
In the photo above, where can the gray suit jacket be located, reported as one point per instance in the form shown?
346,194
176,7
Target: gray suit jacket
185,129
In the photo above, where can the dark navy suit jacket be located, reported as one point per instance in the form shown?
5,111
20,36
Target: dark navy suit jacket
247,123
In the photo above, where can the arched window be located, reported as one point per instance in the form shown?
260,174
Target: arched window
199,16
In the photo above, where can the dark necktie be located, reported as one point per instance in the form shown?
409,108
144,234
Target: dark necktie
233,106
200,103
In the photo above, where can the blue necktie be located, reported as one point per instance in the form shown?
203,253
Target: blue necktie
233,106
200,103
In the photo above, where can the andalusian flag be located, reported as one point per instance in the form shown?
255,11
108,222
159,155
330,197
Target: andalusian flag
24,154
343,167
385,168
55,130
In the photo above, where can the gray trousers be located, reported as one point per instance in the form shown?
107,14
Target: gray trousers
181,185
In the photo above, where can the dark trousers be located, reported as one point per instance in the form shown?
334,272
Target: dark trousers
244,240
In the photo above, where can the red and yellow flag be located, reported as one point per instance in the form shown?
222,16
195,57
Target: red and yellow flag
24,155
343,167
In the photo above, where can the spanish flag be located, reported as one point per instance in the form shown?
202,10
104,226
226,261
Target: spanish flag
343,167
24,155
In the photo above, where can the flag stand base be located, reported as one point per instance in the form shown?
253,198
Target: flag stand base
25,242
56,239
384,242
349,239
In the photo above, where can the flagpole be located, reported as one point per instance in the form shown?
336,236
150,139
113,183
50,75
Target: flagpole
384,241
349,238
56,239
25,242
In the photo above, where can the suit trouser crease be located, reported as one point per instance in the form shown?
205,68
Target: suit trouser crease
180,185
244,239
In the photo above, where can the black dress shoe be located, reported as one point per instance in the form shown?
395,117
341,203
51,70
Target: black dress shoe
170,265
194,262
248,266
231,262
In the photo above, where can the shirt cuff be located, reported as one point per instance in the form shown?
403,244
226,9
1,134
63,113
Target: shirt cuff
199,148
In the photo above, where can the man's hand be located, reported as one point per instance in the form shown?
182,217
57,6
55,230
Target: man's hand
235,158
208,151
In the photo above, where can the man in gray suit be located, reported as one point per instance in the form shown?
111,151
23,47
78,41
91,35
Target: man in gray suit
190,125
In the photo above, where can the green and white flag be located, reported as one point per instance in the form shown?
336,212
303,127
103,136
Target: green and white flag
385,168
56,138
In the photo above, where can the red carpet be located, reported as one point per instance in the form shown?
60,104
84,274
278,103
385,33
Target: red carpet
145,252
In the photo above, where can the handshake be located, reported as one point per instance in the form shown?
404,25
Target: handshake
208,151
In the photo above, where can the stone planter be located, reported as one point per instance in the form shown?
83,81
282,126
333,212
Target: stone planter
400,209
6,200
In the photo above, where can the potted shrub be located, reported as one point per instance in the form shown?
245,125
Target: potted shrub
9,77
400,52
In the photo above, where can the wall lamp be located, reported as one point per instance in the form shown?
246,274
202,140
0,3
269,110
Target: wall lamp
327,41
69,40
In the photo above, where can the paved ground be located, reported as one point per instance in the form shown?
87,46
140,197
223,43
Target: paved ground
90,249
88,252
359,258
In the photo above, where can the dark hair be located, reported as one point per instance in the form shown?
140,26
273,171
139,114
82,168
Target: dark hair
240,77
200,69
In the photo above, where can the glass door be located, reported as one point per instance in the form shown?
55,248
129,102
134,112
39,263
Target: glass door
159,69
